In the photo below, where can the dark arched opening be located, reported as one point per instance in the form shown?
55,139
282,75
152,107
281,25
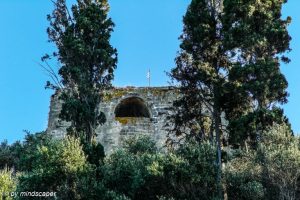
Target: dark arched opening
132,107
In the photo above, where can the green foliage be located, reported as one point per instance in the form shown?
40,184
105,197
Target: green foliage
200,69
27,151
256,34
6,156
7,184
243,178
230,62
140,171
20,155
94,152
57,168
64,168
279,155
270,172
125,173
200,171
135,170
187,173
140,144
241,21
87,61
228,69
115,196
249,127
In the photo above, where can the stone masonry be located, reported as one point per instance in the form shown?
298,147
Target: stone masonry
129,112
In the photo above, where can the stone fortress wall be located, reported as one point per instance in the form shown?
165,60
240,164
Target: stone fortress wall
129,111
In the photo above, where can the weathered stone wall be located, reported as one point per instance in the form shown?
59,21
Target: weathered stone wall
152,103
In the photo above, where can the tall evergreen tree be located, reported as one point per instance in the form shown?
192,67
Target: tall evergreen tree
82,36
228,67
256,37
202,66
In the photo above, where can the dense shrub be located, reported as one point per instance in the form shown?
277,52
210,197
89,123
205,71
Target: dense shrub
7,184
141,171
6,157
10,155
272,171
191,171
94,152
242,178
279,155
21,155
57,168
125,173
140,144
26,154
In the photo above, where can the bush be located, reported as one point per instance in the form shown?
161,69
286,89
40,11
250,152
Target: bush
57,168
94,153
124,172
135,170
140,144
195,177
27,151
10,155
272,171
21,156
7,184
6,157
279,154
243,178
140,172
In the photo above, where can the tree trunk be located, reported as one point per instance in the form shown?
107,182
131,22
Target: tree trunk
217,122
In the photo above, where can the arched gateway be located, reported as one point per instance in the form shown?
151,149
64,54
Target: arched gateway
129,111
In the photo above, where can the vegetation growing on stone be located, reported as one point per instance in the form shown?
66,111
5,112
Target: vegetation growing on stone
116,93
127,120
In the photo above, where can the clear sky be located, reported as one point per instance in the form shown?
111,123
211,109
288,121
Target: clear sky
146,36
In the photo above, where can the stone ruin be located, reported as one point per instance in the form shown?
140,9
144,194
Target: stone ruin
129,111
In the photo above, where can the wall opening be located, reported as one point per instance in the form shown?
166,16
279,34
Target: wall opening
132,107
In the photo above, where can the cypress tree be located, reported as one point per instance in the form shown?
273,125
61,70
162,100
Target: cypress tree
87,60
229,68
257,38
202,66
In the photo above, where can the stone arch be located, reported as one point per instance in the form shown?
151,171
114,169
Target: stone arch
132,107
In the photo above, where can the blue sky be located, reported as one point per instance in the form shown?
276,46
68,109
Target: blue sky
146,36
